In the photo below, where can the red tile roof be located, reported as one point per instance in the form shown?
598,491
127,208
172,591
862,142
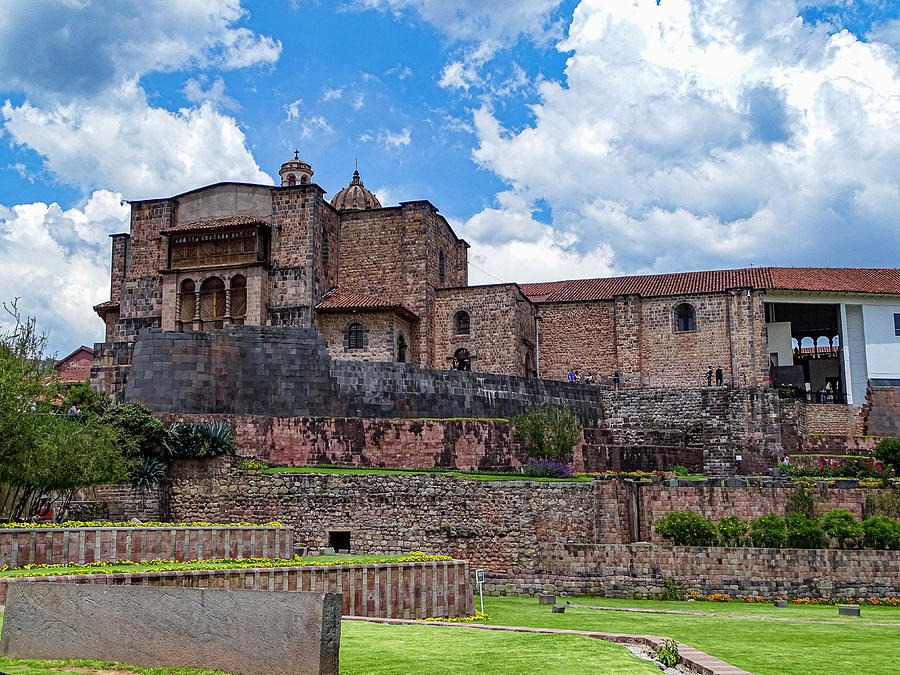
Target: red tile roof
341,300
108,306
215,224
824,279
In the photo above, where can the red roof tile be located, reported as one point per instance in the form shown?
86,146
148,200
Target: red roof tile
825,279
108,306
339,300
215,224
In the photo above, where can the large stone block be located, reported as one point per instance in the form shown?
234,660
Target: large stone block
237,631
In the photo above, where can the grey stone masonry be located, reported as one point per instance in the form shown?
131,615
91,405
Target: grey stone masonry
191,627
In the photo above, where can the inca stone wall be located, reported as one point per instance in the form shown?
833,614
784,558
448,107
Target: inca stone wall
287,372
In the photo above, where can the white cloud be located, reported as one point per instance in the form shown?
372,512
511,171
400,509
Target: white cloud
292,110
81,49
124,144
333,94
719,133
57,262
401,71
358,102
215,95
394,140
459,75
315,125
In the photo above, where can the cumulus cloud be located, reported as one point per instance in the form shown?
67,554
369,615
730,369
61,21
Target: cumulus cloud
715,133
80,49
57,262
215,95
394,140
124,144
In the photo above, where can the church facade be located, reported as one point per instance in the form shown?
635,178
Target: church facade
391,284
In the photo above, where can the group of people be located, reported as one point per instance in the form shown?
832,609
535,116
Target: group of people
719,375
575,376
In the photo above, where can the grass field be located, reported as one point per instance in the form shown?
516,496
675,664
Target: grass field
761,647
199,565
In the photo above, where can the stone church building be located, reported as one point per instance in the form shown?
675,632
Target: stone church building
390,283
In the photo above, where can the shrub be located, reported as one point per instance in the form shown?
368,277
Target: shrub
144,433
842,526
90,402
686,528
881,532
804,532
732,531
247,464
547,469
672,590
883,503
549,432
802,501
199,441
888,451
768,531
678,470
668,655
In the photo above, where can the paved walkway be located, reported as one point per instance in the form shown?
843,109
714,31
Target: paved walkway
699,661
731,616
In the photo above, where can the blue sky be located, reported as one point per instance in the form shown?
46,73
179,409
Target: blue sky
561,138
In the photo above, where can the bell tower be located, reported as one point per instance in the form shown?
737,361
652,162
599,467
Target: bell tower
295,172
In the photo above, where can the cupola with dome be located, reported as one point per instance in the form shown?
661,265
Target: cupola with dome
355,197
295,172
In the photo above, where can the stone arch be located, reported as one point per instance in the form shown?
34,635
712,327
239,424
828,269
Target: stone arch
462,359
212,303
291,179
187,304
238,306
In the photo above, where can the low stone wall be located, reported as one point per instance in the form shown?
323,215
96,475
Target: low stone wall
118,503
830,418
622,570
393,590
44,546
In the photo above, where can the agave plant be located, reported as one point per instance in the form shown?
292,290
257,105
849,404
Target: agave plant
146,473
219,439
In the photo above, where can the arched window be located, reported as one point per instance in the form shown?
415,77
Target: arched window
462,322
212,303
462,360
442,275
187,304
685,318
238,298
401,349
292,179
304,180
356,336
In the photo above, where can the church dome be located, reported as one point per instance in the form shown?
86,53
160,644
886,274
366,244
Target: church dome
355,197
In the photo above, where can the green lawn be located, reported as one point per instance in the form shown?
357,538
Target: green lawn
199,565
761,647
373,649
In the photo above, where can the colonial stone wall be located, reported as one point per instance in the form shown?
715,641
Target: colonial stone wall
636,337
381,331
501,328
393,590
44,546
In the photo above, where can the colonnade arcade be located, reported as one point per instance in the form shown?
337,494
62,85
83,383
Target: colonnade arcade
212,302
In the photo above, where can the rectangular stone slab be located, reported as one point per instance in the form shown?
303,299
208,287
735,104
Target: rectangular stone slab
237,631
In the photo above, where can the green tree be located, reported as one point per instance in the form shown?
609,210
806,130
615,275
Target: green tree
842,526
888,451
141,431
549,432
43,452
89,402
881,532
732,530
768,531
686,528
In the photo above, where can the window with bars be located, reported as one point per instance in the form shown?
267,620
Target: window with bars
462,322
238,298
356,336
212,303
187,304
